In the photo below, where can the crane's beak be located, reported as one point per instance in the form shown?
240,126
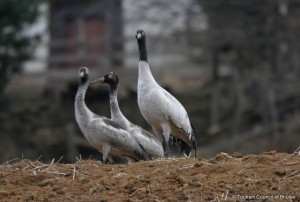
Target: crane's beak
101,80
139,35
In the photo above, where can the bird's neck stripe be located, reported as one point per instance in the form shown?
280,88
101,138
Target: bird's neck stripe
143,51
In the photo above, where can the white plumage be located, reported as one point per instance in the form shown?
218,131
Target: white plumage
162,111
103,134
147,141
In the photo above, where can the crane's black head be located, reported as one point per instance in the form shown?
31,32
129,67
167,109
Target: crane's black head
141,40
140,35
83,74
111,78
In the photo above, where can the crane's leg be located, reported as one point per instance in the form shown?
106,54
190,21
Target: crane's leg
158,133
105,151
166,134
163,134
110,158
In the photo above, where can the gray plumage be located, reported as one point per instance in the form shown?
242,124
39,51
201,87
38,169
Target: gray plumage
103,134
148,141
162,111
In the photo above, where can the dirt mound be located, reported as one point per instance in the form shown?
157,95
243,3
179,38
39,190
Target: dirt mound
264,177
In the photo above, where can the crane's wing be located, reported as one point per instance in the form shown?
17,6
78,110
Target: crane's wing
176,113
116,136
148,141
142,131
180,121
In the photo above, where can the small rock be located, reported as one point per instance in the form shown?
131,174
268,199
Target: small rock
198,165
111,192
45,183
181,180
196,184
236,155
280,172
172,175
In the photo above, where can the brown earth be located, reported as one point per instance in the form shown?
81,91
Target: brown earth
225,177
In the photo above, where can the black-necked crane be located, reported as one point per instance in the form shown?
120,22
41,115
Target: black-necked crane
162,111
151,145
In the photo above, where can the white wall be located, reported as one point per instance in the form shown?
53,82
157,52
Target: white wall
39,61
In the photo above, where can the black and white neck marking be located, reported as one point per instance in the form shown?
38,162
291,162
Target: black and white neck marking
82,113
141,40
84,75
113,80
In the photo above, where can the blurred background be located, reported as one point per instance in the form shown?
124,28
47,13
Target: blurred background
234,65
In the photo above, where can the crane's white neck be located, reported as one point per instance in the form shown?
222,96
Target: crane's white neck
82,112
115,111
145,76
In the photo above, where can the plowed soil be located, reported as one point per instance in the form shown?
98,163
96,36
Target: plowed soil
269,176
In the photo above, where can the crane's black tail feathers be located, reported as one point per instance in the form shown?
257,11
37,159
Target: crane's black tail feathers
185,148
194,140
